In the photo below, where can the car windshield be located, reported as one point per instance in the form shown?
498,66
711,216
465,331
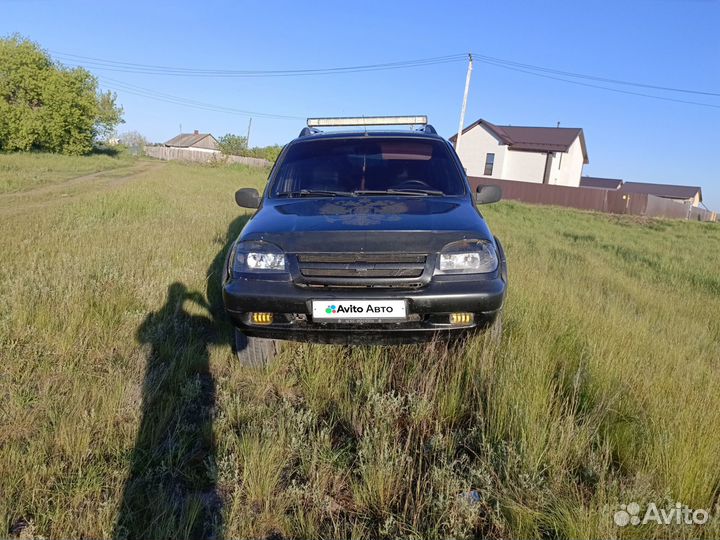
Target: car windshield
367,166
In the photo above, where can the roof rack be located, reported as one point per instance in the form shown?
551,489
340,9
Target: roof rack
308,131
366,121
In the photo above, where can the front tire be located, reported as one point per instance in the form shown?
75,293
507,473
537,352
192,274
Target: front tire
254,351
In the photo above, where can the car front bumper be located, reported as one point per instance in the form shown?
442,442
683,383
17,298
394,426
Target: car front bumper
428,308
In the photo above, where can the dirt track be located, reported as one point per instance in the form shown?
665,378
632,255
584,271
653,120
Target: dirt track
44,196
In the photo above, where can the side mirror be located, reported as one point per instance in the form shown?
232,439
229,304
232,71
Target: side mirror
247,198
488,194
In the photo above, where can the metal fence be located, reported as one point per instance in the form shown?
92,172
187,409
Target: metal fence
699,214
201,156
599,200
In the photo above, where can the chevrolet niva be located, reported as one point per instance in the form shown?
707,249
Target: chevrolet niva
363,237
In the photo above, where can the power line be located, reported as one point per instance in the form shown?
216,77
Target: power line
150,69
114,84
593,77
529,69
617,90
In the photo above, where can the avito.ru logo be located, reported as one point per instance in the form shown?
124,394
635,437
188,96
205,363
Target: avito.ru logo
680,514
370,309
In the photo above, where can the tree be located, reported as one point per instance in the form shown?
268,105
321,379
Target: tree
236,145
134,141
46,106
233,145
270,153
109,115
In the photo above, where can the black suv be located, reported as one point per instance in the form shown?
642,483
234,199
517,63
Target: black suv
363,237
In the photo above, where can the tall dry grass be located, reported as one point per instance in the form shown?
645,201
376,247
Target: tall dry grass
125,414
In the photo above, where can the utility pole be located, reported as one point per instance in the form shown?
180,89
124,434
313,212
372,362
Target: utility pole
247,140
464,103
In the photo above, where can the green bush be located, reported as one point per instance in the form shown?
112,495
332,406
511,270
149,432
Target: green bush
46,106
233,145
236,145
270,153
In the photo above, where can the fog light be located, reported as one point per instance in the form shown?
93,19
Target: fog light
261,318
461,318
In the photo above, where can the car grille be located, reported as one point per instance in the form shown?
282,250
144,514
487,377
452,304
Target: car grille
353,269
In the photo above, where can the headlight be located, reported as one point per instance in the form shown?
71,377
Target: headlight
467,257
265,261
258,257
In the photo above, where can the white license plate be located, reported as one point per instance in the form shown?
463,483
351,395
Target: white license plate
368,310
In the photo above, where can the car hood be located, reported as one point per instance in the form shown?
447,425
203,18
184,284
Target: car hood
419,224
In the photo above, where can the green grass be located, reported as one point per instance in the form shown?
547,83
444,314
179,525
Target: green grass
20,171
123,412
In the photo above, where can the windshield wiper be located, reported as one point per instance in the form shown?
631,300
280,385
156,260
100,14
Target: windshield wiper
408,192
314,193
435,192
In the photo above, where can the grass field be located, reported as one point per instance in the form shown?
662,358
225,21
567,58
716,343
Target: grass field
124,414
21,171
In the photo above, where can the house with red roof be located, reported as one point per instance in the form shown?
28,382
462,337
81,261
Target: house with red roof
544,155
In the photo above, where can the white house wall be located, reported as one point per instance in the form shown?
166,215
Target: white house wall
568,170
474,147
525,166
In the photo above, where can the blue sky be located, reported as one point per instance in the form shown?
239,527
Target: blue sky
673,43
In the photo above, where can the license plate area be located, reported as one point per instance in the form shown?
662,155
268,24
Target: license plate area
359,310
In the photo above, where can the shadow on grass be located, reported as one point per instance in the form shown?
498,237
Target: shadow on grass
110,151
171,491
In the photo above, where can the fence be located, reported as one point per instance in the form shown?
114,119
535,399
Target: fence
201,156
698,214
659,207
599,200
